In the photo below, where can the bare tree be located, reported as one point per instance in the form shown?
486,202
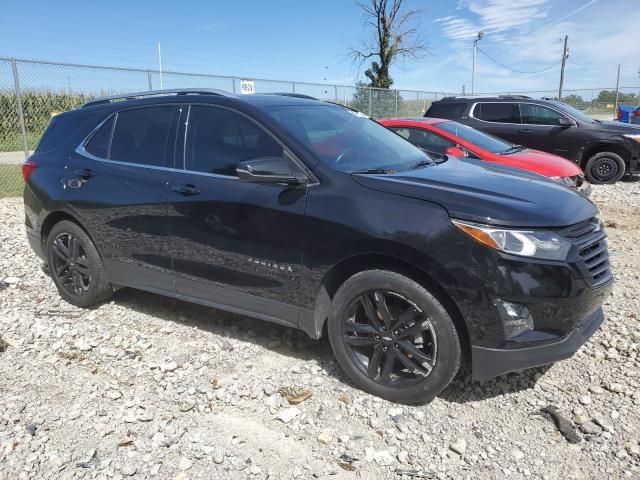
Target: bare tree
394,35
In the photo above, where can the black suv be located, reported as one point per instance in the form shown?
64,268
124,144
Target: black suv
604,150
311,215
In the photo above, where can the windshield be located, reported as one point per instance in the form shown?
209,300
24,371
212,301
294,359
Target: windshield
347,140
574,112
471,135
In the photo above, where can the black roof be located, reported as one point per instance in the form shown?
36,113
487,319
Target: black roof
498,98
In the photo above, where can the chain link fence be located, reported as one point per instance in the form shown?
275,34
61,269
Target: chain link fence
31,92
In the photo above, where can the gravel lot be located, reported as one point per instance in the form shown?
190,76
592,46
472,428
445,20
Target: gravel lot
149,387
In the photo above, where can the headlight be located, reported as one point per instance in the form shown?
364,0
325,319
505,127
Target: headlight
540,244
567,181
633,136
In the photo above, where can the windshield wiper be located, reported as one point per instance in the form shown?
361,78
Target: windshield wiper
513,149
422,163
373,171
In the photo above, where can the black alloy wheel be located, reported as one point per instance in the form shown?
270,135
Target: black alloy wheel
605,168
70,264
389,338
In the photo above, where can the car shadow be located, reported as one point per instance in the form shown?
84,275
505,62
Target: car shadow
296,344
630,179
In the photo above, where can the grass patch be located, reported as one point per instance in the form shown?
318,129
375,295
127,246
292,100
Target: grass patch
11,142
11,184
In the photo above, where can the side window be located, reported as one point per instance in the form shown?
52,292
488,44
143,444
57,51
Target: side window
539,115
98,145
140,135
502,112
424,139
218,139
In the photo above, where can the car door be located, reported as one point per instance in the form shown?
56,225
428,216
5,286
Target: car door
501,119
116,187
234,244
542,130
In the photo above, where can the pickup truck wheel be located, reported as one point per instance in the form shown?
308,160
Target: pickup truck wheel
75,265
392,337
604,168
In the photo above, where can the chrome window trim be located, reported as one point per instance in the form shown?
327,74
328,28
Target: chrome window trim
566,115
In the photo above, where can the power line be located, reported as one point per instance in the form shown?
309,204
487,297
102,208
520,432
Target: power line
513,69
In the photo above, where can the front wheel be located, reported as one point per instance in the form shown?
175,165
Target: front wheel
75,265
604,168
392,337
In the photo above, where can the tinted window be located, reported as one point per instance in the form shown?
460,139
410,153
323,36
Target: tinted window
99,143
446,110
476,137
346,140
425,139
218,139
539,115
497,112
63,128
140,135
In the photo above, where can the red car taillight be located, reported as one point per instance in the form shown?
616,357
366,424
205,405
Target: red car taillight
635,113
27,169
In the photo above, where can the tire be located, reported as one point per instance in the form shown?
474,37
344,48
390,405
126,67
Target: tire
79,276
428,335
604,168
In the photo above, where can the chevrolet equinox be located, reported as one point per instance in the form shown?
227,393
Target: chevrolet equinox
311,215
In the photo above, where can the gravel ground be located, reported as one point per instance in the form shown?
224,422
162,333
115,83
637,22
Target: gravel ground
149,387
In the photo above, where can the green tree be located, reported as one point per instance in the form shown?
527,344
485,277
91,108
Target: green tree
375,102
576,101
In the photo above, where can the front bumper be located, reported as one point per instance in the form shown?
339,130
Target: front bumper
491,362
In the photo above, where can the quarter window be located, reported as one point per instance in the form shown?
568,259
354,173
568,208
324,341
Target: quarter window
539,115
99,143
218,139
502,112
140,135
424,139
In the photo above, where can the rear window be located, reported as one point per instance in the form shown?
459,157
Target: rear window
445,110
61,128
503,112
99,143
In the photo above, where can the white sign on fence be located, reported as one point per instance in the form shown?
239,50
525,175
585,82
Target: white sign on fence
247,86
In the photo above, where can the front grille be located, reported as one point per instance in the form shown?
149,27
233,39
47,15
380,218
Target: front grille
593,257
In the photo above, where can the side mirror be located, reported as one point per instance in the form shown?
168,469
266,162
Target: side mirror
455,152
270,170
565,122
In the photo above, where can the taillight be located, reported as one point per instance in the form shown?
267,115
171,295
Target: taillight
27,169
636,113
618,113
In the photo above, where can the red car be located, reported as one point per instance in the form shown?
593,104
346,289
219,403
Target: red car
452,138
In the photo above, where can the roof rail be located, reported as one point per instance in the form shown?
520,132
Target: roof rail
513,96
153,93
294,95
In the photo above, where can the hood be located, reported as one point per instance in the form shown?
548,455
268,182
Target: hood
619,127
477,191
543,163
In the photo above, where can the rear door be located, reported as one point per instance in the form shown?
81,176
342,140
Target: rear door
117,187
234,244
501,119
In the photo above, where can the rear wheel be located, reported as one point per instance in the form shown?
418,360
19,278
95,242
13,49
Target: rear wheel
75,265
604,168
392,337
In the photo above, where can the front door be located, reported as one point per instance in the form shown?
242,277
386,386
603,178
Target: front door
542,131
117,187
234,244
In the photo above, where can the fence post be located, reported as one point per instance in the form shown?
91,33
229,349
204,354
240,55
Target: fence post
23,130
396,103
335,93
370,94
293,87
149,80
233,85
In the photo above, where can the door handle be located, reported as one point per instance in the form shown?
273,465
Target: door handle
525,130
84,173
186,189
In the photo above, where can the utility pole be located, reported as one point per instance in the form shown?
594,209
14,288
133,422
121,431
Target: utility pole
565,55
160,66
473,68
617,90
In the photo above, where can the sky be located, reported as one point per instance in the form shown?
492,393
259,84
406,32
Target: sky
309,41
